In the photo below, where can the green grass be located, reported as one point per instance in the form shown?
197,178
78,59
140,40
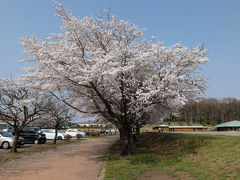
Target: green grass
185,156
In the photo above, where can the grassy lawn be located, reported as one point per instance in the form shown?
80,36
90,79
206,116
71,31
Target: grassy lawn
28,149
185,156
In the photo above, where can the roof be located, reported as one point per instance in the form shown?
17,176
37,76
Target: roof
187,127
229,124
163,125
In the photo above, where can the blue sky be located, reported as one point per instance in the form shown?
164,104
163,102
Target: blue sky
215,23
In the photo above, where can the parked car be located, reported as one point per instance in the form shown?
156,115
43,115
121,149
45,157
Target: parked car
50,134
102,131
107,131
74,132
87,132
113,130
33,135
63,131
5,127
7,139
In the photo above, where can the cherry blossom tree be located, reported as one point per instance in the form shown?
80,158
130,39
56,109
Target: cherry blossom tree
56,114
19,106
109,71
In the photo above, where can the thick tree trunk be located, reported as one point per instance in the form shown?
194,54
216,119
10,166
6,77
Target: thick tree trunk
14,147
55,137
138,130
121,134
126,140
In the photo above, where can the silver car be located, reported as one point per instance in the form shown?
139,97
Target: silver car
7,139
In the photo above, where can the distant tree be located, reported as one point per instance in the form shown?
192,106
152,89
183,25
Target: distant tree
109,71
56,114
19,106
211,111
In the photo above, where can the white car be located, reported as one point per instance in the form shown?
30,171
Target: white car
7,139
50,134
74,132
113,130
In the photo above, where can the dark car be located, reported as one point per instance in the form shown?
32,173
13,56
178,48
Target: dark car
102,131
33,135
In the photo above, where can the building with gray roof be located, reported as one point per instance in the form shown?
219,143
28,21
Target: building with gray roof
229,126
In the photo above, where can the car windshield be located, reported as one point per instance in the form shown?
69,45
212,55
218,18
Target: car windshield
6,134
38,130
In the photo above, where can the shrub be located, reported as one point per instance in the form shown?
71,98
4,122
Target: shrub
189,123
95,134
213,123
180,123
78,136
68,137
204,124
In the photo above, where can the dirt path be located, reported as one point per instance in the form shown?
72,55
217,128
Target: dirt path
68,162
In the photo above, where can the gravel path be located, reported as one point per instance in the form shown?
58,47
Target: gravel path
76,161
